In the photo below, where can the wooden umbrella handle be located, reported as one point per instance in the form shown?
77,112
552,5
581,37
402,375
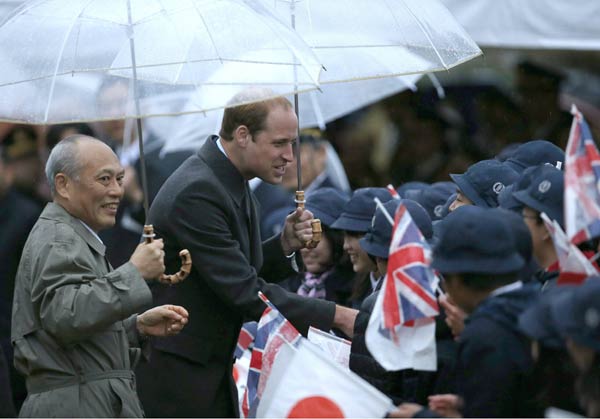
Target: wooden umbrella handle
186,260
314,223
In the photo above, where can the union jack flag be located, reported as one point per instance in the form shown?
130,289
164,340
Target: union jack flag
408,289
273,331
582,182
245,339
574,267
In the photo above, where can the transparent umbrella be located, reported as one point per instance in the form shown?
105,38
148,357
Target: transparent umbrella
399,37
50,48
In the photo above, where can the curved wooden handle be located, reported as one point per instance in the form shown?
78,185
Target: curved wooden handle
317,232
315,223
186,260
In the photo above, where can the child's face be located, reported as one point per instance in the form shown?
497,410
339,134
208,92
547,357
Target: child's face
319,259
361,263
458,292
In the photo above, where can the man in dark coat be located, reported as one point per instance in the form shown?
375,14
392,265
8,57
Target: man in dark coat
206,206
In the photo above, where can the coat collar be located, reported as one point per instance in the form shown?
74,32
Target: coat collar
225,171
55,212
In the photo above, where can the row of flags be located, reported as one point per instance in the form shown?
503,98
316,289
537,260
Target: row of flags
290,377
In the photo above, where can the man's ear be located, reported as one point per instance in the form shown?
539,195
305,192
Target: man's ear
62,185
241,135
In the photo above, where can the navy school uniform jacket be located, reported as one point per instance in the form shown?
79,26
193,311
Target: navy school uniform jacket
494,359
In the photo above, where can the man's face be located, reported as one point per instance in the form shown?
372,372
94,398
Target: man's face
361,263
94,197
270,150
460,200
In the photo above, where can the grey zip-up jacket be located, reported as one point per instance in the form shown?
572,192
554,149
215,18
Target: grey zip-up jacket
73,323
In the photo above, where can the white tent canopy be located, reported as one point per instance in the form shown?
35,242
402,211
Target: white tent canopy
531,24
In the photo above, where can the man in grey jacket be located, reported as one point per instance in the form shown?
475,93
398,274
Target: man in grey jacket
75,333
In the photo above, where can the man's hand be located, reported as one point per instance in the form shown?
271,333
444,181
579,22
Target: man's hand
455,317
149,259
405,410
446,405
297,231
344,319
163,320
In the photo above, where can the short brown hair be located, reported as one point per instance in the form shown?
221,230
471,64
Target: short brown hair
252,115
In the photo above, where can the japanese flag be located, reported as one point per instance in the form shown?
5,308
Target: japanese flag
304,383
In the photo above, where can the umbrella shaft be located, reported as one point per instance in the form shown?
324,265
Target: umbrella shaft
298,165
137,110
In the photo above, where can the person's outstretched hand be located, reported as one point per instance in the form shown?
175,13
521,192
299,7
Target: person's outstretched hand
165,320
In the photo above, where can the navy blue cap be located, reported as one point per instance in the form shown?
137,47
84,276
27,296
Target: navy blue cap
484,180
360,209
537,321
506,198
379,236
410,186
327,204
507,152
577,316
522,237
445,186
432,199
545,192
533,153
474,240
446,208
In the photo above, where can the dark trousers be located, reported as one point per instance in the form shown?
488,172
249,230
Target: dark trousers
172,386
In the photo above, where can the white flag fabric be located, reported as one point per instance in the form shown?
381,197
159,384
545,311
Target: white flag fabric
304,383
416,346
338,349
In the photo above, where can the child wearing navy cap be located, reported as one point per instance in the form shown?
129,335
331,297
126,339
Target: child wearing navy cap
577,318
355,220
544,194
376,243
554,373
493,360
482,183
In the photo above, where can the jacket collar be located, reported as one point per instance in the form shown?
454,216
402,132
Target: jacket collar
225,171
55,212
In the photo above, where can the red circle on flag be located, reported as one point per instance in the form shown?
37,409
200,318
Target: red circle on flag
315,407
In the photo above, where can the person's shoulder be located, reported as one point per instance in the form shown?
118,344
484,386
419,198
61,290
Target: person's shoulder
27,207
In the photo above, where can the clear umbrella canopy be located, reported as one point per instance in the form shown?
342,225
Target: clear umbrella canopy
373,44
400,36
54,52
316,108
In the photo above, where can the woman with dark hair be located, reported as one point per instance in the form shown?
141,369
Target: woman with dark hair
328,274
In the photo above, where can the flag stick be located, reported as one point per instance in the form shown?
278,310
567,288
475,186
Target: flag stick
385,211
